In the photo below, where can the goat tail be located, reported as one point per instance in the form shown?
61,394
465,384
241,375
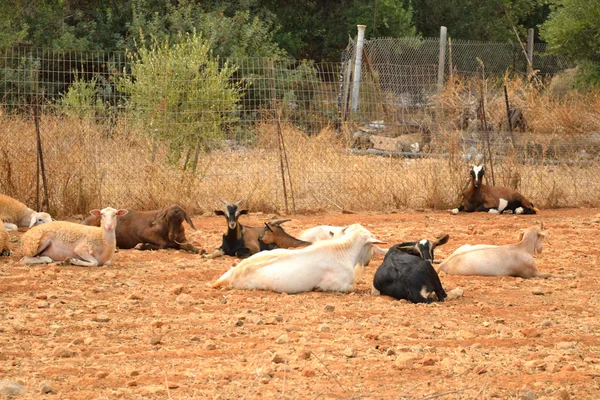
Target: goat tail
535,209
225,279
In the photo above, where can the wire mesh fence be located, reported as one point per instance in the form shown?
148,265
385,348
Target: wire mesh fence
280,133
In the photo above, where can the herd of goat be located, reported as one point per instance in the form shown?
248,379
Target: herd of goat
327,258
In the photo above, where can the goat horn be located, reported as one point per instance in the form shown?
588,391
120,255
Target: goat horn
224,202
279,222
237,203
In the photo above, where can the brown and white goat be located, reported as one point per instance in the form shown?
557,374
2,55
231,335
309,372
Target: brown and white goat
492,199
508,260
152,230
241,240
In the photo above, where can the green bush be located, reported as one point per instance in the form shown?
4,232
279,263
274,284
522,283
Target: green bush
182,95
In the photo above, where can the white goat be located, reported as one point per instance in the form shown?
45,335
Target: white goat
4,241
15,214
327,265
508,260
87,246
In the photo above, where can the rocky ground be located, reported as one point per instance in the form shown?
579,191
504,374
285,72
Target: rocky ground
151,327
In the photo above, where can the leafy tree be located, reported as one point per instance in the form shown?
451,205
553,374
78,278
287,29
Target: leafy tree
181,94
573,31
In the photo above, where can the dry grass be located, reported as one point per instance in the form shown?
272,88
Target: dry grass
86,169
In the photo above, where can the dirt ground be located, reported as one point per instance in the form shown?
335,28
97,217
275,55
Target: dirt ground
151,327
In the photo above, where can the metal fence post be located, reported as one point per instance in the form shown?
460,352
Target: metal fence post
529,52
357,65
442,59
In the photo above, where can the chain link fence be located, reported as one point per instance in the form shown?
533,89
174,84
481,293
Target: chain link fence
284,137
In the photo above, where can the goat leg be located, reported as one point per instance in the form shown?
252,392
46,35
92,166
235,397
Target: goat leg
191,248
146,246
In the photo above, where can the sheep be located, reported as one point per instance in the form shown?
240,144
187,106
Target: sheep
16,214
275,235
4,241
151,230
407,272
77,244
327,265
508,260
493,199
240,240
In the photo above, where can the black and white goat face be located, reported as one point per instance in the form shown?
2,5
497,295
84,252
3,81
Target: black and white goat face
423,248
232,213
477,174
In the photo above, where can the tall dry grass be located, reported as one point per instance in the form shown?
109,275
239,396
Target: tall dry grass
86,169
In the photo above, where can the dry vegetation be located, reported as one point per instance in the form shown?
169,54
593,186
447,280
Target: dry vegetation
86,169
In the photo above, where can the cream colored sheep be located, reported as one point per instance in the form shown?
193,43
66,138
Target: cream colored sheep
15,214
4,241
87,246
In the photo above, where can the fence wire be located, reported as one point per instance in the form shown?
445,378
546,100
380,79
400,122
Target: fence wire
285,137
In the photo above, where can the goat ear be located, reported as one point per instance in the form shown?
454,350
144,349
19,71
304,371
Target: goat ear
189,220
219,212
33,219
521,235
96,212
160,216
268,227
122,212
408,249
242,212
441,239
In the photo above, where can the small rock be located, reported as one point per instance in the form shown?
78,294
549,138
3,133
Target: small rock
324,328
77,342
429,360
61,352
480,369
209,345
564,395
277,358
184,298
46,388
42,304
565,345
179,289
154,340
329,308
10,389
308,371
133,372
526,395
349,352
135,296
390,352
538,291
454,294
304,354
405,361
41,296
88,340
282,339
531,332
132,383
102,374
568,368
372,335
102,318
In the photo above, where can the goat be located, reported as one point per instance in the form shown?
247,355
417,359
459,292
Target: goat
492,199
508,260
407,272
275,235
16,214
77,244
4,241
327,265
240,240
151,230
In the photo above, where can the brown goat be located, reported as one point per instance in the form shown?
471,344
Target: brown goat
152,230
275,235
492,199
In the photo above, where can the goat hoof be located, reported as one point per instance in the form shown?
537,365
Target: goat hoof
493,211
519,210
454,211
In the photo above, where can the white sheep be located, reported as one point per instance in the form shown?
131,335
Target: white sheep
327,265
508,260
15,214
4,241
83,245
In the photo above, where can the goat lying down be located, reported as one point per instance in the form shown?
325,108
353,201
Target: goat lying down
327,265
407,272
241,240
492,199
151,230
508,260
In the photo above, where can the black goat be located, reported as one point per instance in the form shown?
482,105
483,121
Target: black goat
151,230
240,240
407,272
492,199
